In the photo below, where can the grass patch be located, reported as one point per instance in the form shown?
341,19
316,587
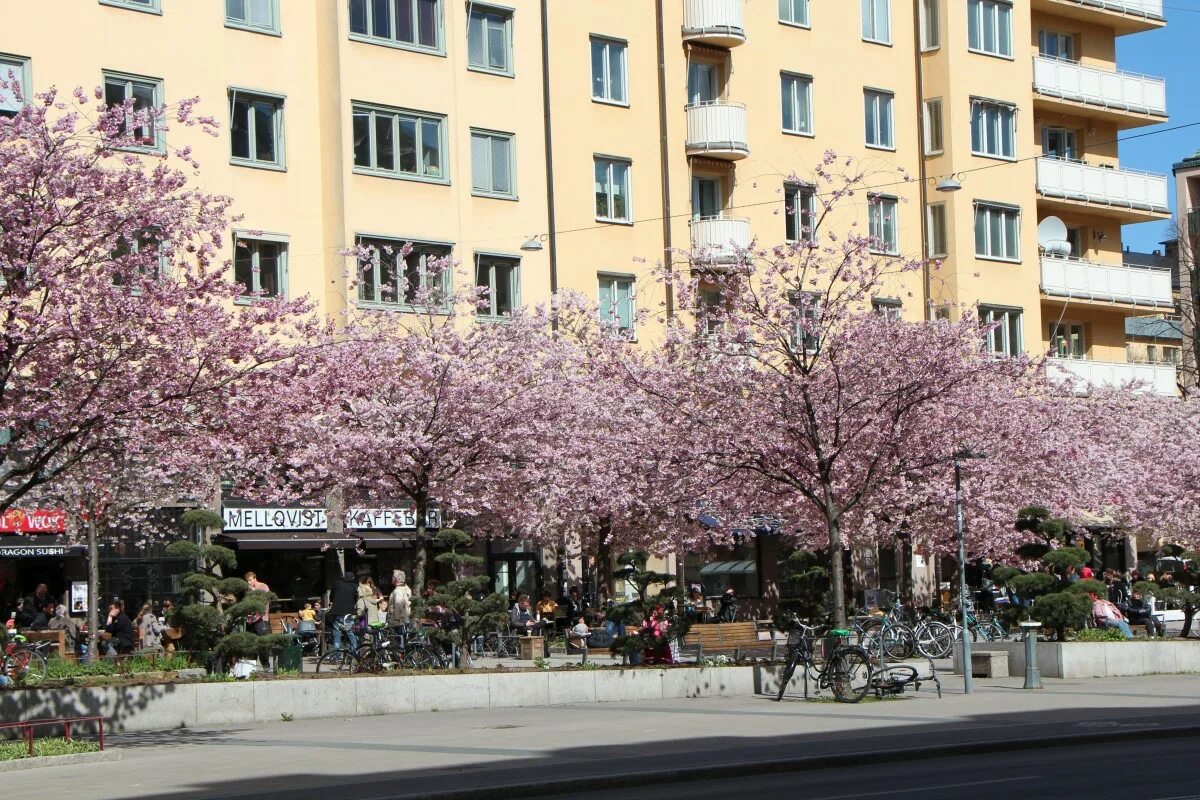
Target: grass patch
46,747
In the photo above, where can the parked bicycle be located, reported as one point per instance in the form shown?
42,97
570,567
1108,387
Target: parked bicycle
22,660
846,669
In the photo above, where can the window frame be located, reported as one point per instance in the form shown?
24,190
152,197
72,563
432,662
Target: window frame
357,107
935,230
875,205
930,19
279,101
275,28
797,79
994,134
988,315
1069,135
612,161
975,11
875,5
795,212
508,15
807,23
890,308
1004,209
370,38
1045,34
876,96
254,240
419,245
609,43
510,139
22,68
514,280
1057,328
148,7
159,145
616,278
930,128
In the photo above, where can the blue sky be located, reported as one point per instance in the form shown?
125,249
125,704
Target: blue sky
1171,53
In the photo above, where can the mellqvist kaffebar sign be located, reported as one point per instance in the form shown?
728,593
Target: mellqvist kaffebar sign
316,519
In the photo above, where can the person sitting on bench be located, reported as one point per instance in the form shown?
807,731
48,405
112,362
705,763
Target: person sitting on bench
523,618
1138,611
578,635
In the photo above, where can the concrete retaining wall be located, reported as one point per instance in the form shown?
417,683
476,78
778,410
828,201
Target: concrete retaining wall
1098,659
189,705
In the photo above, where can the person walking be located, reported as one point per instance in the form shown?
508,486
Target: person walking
343,600
399,601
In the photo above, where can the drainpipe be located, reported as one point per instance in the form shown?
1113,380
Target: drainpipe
663,151
921,170
552,236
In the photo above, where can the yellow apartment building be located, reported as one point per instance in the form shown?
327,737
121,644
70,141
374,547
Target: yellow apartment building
551,144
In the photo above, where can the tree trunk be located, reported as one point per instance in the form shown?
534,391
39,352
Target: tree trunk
93,612
1189,613
421,558
837,575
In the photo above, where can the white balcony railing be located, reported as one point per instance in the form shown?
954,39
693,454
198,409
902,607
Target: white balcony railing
1112,283
717,129
1124,188
715,21
1156,378
1124,91
719,238
1151,9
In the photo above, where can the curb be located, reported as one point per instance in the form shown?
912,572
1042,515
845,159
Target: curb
799,764
37,762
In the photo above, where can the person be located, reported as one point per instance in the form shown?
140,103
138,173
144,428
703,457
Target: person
39,598
149,629
1086,573
68,626
253,584
375,607
431,588
41,620
578,635
118,631
1108,615
654,631
1118,594
697,607
255,622
546,607
576,605
170,632
523,618
307,614
1070,575
343,600
399,601
1139,612
23,617
729,606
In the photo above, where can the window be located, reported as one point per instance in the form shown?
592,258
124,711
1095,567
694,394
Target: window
499,275
256,129
260,266
931,33
492,164
797,103
608,71
1172,355
387,278
1151,353
997,232
799,212
708,200
147,246
612,190
808,335
794,12
889,308
1075,239
151,6
1060,143
933,127
703,83
255,15
989,27
1056,45
936,230
405,144
880,129
489,40
876,21
1005,338
882,225
617,303
1066,340
14,71
401,23
993,129
146,94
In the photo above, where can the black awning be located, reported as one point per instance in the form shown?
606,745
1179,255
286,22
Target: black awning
23,545
314,540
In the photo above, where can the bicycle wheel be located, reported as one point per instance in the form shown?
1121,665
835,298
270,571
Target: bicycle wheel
898,642
26,665
422,658
338,661
866,628
849,674
934,640
996,631
785,677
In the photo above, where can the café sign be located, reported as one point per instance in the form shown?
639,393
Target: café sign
45,551
37,520
316,519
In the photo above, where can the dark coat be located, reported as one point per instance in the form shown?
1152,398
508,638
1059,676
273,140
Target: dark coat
343,598
122,631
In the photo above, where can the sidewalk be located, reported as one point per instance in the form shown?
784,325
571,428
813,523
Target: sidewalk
420,754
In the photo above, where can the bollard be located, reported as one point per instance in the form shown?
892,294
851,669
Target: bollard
1033,678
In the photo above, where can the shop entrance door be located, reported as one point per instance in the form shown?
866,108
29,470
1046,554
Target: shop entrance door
517,571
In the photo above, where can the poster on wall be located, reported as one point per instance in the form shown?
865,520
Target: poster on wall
79,597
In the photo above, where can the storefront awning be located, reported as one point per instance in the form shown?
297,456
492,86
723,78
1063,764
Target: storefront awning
27,546
311,540
729,568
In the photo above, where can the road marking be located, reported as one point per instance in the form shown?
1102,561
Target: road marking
927,788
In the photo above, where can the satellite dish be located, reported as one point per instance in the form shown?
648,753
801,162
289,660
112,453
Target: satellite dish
1052,237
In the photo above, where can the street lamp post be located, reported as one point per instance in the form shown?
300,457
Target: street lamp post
968,685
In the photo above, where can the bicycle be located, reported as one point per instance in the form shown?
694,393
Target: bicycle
846,671
23,661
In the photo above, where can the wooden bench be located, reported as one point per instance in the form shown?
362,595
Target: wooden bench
736,638
57,638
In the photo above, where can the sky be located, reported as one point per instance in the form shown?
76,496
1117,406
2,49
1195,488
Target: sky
1171,53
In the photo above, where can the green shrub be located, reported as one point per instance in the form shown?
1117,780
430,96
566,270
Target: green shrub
1062,610
1058,560
1032,585
1090,586
1099,635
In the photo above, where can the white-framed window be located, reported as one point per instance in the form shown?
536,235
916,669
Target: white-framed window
931,25
260,265
402,144
796,91
708,197
146,241
261,16
998,231
493,171
387,279
882,213
890,308
799,212
877,21
794,12
880,123
933,127
613,200
807,336
411,24
146,94
936,230
609,75
1005,338
1060,143
993,128
256,129
989,27
500,275
149,6
1171,355
15,72
489,40
1066,340
618,306
1053,44
704,82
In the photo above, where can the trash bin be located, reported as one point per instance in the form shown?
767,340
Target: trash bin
291,657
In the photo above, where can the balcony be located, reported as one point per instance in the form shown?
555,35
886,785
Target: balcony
719,239
1123,16
1110,95
1129,195
1107,283
1156,378
717,130
714,22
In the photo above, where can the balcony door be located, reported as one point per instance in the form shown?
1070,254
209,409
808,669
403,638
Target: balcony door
1060,143
1056,45
1066,340
703,83
708,200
